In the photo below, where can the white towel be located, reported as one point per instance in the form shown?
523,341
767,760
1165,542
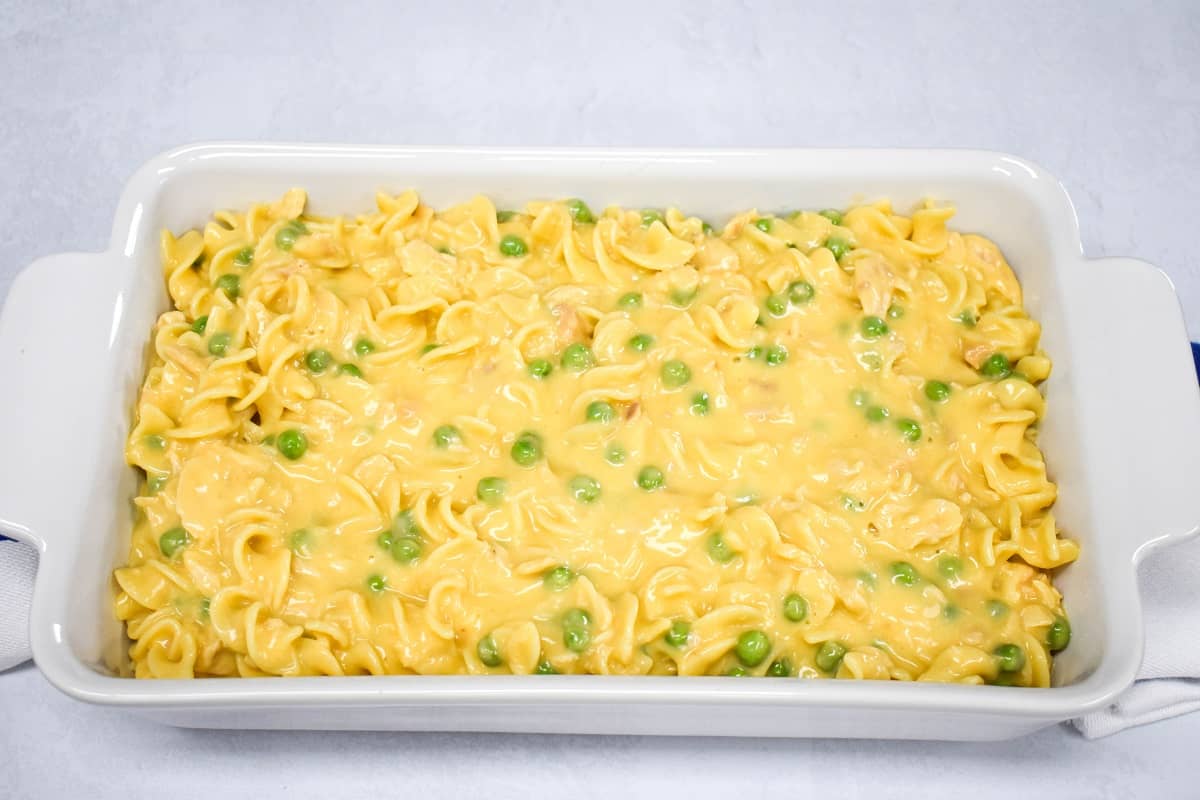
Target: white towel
1168,684
1169,681
17,565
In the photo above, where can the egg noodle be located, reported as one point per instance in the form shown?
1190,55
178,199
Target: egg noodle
553,441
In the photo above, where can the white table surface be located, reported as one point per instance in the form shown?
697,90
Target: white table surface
1104,97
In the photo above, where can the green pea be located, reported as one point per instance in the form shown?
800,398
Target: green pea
1058,635
838,246
300,542
997,608
795,608
577,358
752,648
557,579
967,318
576,633
584,489
675,373
429,348
876,413
364,347
951,611
904,573
244,257
699,405
630,300
230,284
1009,657
491,489
737,672
937,391
651,216
706,229
950,567
446,251
385,540
488,652
350,369
200,324
576,639
831,214
406,549
600,411
156,442
719,549
318,360
544,667
777,354
780,668
777,304
910,429
527,449
292,443
756,353
651,479
679,632
895,312
829,655
800,292
156,483
859,398
376,583
873,327
540,369
641,342
997,366
866,578
580,212
287,235
682,298
763,224
205,605
172,541
615,455
446,435
513,246
505,216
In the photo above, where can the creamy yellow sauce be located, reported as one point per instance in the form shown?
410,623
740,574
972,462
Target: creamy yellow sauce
553,441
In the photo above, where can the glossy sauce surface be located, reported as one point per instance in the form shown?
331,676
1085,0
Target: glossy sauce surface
558,441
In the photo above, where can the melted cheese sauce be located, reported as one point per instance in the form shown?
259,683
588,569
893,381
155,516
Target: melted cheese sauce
556,442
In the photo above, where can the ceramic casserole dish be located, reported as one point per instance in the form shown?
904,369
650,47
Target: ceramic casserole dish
73,348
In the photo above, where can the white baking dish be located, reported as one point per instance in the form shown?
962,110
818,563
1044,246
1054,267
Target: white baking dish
1122,435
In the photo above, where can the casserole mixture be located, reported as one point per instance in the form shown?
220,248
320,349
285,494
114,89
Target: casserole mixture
558,441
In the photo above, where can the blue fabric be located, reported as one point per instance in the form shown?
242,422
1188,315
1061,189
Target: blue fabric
1196,358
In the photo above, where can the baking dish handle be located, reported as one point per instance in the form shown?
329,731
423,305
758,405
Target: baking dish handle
56,327
1149,437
